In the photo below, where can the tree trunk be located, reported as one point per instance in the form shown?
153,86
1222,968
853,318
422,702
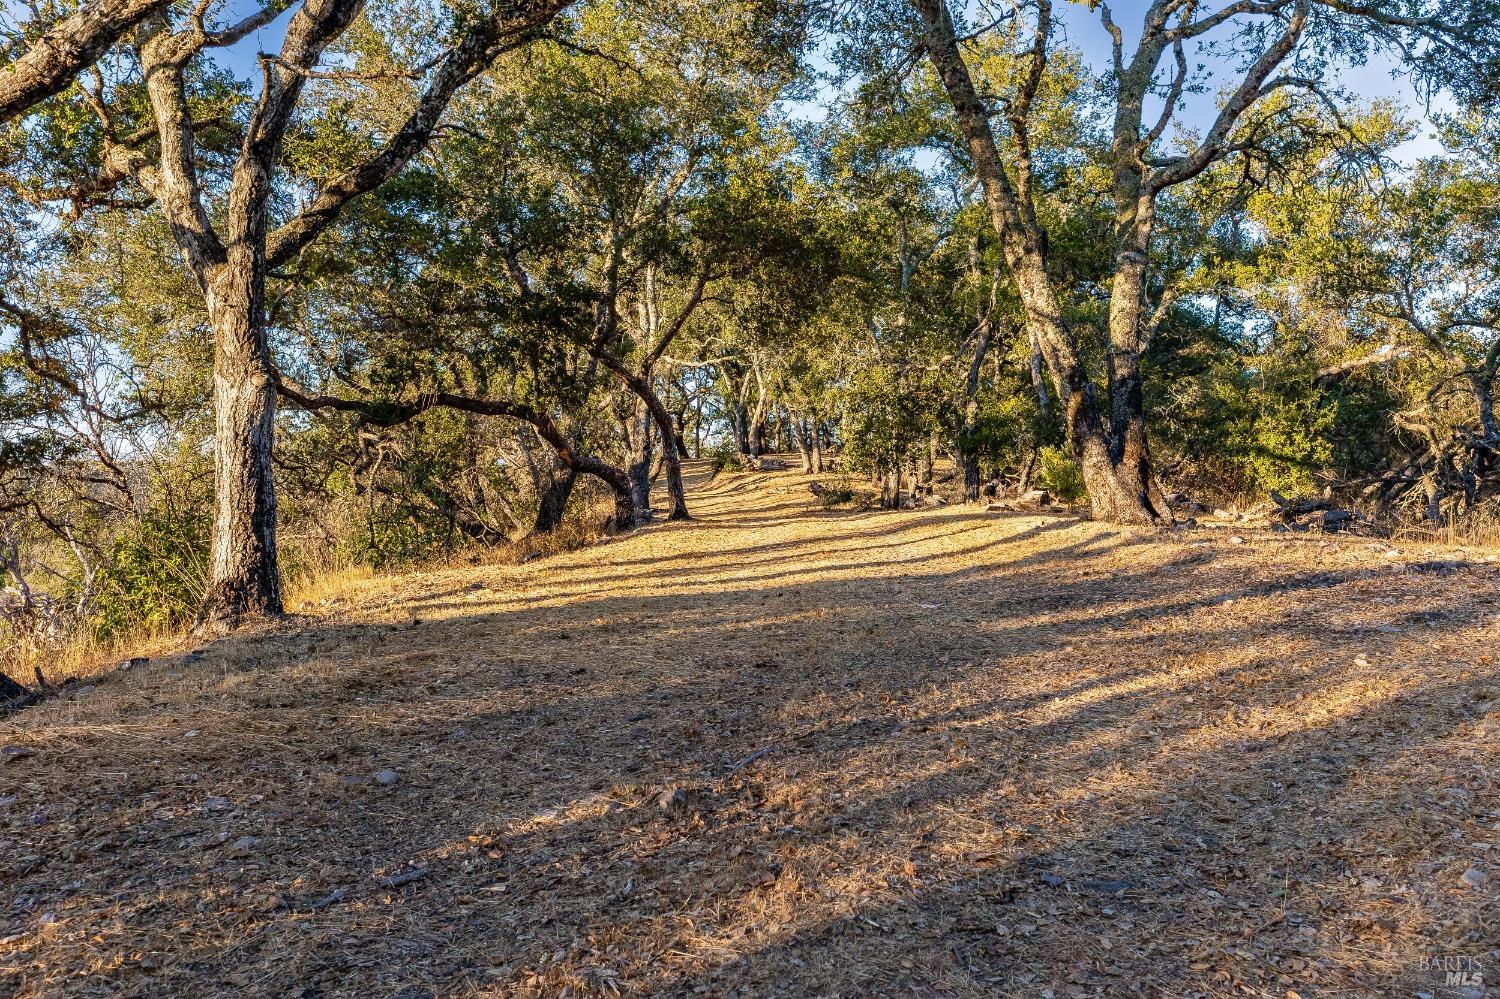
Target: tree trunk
680,434
757,445
619,483
554,498
1116,469
739,420
816,433
641,454
802,437
671,458
245,577
970,468
640,384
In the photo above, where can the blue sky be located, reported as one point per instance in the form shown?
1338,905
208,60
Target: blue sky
1080,28
1372,81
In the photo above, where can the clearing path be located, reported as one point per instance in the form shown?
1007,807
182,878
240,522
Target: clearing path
784,751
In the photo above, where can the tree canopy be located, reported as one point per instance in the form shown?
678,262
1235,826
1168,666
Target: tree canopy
356,282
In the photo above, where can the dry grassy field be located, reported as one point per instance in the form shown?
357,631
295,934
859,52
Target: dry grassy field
783,751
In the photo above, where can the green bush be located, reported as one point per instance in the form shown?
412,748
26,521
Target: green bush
156,575
837,490
723,456
1062,476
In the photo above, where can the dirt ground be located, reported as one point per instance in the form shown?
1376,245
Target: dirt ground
782,751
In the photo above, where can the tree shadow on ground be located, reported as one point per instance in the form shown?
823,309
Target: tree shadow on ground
951,772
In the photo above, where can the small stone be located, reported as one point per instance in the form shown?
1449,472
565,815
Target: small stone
1473,877
1053,880
11,753
387,777
191,734
1235,539
245,844
217,803
672,799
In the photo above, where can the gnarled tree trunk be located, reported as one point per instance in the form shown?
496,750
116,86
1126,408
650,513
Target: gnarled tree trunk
553,502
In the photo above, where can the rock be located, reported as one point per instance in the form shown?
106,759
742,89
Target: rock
1473,877
1235,539
1445,567
134,662
244,844
387,777
1052,880
1035,497
673,799
1337,520
1111,886
217,803
84,691
12,753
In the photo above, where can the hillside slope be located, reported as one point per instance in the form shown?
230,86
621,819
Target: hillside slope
783,751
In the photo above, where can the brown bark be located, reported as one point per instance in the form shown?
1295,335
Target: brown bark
245,575
802,435
1021,243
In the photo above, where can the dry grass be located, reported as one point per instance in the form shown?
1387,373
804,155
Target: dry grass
85,657
1476,527
938,753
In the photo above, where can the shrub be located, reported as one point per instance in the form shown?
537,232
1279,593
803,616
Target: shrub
1062,476
837,490
723,456
156,574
